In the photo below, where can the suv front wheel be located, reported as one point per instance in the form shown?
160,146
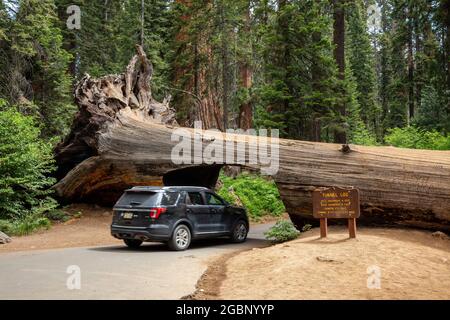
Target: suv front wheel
239,233
181,238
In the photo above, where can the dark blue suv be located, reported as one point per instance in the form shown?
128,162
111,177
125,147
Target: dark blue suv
176,215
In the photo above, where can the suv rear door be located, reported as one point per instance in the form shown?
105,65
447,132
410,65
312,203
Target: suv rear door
197,212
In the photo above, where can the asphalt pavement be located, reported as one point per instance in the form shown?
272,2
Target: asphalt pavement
114,272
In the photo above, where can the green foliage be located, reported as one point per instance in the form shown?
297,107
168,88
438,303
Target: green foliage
358,132
259,195
282,231
361,136
24,226
57,215
416,138
199,49
431,114
25,162
298,84
34,65
109,33
362,66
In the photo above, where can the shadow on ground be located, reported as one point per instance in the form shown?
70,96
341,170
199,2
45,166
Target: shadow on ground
195,245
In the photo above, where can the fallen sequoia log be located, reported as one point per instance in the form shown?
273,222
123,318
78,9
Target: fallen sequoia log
122,137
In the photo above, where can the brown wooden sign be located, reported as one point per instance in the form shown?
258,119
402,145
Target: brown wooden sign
336,203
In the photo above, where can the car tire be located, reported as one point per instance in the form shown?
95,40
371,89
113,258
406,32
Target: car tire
181,238
133,243
239,232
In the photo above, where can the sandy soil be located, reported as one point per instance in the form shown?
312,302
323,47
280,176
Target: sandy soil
91,229
413,265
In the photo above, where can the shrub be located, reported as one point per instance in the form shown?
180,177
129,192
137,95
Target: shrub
416,138
25,225
360,135
25,162
57,215
259,195
282,231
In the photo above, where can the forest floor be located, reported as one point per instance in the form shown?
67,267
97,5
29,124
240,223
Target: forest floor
412,264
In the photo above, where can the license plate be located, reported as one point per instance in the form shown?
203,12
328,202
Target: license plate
128,215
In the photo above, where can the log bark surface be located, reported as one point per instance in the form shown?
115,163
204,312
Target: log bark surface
119,140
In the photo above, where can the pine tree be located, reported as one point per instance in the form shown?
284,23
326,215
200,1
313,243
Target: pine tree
442,33
362,65
410,66
340,57
245,54
34,65
209,51
194,73
299,81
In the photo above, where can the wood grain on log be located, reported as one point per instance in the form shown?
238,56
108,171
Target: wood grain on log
116,143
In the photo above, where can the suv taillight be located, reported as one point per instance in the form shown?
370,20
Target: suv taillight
156,212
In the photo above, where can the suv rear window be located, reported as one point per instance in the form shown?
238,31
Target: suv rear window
144,199
148,199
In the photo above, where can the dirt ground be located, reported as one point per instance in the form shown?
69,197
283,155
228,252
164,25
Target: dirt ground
409,264
90,229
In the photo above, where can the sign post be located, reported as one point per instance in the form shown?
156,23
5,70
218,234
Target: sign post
336,203
352,227
323,227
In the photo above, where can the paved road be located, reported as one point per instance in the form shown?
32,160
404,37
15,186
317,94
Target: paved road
114,272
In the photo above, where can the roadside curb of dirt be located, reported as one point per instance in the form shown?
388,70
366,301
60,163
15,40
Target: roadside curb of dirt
208,286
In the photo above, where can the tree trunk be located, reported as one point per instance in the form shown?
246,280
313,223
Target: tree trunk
339,55
198,85
410,67
245,109
446,12
317,78
118,141
225,64
142,22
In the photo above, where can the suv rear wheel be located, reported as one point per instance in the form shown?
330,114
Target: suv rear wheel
240,231
181,238
133,243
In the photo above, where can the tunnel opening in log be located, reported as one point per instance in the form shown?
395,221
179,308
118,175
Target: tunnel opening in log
198,176
108,188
